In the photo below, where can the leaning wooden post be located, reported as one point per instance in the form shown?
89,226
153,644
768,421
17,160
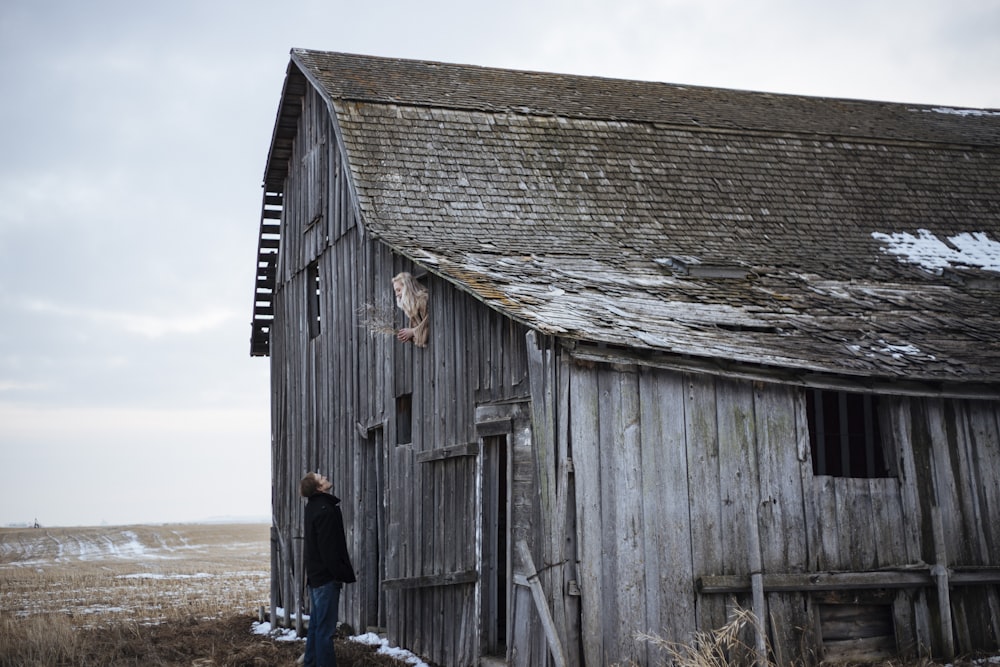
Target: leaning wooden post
531,580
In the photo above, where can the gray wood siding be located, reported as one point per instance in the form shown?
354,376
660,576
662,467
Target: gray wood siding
672,468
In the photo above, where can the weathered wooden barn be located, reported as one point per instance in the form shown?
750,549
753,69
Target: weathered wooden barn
690,348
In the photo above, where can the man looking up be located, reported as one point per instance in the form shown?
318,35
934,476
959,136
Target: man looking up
328,567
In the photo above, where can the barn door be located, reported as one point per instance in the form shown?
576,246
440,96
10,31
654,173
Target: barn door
495,556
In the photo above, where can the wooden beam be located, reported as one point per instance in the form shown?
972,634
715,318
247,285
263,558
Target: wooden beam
819,581
835,581
494,427
429,581
441,453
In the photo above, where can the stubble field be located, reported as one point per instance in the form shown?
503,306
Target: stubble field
175,594
100,575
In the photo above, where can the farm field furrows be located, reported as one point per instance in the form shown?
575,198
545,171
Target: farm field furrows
142,573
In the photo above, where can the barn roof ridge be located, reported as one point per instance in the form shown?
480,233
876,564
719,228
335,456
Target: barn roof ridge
497,90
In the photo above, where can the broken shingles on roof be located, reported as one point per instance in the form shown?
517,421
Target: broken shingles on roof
709,222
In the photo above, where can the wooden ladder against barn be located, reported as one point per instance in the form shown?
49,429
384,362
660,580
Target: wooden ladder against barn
267,267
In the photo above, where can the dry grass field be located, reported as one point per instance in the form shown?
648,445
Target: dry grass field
176,594
153,573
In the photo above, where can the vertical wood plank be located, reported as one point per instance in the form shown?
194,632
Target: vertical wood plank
705,500
984,446
586,459
739,485
909,479
782,526
623,469
784,530
670,600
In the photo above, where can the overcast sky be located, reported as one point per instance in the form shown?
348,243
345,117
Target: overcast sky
132,144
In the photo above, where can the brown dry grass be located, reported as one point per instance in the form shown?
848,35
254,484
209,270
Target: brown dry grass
183,594
733,645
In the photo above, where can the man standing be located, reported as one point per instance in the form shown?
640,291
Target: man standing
328,567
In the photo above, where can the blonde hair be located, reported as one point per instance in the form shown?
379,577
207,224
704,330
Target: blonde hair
413,295
412,300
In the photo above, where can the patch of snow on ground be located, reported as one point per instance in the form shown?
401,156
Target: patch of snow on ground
370,639
279,634
974,249
96,609
373,639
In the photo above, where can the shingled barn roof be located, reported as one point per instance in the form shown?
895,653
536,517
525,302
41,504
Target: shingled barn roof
815,235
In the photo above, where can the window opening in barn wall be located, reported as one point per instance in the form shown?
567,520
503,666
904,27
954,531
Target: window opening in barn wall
496,545
404,419
845,435
314,296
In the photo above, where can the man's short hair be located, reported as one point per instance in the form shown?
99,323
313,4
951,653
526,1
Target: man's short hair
309,485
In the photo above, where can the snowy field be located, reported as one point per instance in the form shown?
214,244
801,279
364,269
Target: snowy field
149,574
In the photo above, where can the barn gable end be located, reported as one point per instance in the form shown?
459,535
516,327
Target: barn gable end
689,348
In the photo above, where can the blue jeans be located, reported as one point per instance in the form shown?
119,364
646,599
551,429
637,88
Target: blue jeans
325,602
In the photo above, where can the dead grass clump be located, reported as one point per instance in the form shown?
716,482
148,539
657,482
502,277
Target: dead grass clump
734,645
728,646
356,654
37,640
377,320
222,642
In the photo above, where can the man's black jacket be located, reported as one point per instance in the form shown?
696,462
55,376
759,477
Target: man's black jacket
326,547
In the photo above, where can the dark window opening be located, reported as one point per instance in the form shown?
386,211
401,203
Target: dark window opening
404,419
313,300
845,436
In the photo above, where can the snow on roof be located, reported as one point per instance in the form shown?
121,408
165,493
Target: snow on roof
965,112
965,250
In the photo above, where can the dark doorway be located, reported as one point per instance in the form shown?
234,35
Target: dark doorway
373,506
496,545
